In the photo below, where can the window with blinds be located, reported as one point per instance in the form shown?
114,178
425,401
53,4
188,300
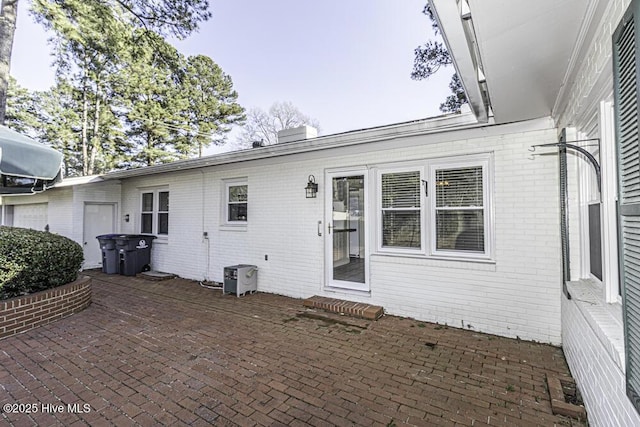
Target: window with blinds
459,209
444,213
401,210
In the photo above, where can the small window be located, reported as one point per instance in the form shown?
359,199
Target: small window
147,213
460,217
237,199
154,212
401,210
163,212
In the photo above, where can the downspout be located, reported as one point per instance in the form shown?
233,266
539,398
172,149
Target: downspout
205,234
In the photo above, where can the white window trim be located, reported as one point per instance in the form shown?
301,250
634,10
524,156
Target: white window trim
155,210
225,204
485,161
379,229
609,197
427,170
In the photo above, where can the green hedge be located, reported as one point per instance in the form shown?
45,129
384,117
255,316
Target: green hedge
32,261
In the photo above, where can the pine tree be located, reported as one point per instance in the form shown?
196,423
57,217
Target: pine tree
211,105
432,56
22,109
178,18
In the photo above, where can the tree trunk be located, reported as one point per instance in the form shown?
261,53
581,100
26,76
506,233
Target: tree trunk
149,146
95,140
85,124
8,15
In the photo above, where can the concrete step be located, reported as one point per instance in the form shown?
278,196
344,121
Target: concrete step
156,275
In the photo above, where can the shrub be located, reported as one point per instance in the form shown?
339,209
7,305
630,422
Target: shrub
32,261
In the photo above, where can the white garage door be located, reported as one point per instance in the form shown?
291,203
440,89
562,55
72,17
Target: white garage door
30,216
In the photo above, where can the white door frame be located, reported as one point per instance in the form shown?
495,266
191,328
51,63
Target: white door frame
330,282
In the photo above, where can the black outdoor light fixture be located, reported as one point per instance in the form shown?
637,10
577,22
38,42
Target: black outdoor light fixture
312,187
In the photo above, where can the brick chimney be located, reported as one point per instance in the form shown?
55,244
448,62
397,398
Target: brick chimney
297,134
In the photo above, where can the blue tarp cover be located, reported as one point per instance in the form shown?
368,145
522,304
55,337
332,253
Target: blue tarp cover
24,157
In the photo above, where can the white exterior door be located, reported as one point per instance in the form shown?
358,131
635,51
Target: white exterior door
99,218
33,215
346,243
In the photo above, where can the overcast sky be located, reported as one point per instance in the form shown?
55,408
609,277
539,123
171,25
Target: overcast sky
345,63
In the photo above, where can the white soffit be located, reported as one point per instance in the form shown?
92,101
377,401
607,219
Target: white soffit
525,48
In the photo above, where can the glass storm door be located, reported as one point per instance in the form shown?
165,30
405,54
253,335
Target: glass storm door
346,238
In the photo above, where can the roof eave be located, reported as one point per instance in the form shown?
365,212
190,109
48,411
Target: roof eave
451,24
418,127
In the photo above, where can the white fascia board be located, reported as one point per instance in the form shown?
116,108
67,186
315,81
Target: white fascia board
418,127
447,14
78,180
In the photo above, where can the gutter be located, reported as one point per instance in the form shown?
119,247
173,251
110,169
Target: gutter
352,138
455,21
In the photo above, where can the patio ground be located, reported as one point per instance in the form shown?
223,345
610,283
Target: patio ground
173,352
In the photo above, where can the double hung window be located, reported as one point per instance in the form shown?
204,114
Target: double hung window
155,212
443,213
237,199
459,209
401,209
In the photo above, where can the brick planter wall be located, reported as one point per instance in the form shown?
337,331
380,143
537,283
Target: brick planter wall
23,313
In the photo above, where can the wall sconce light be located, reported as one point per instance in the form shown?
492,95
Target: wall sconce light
126,218
312,187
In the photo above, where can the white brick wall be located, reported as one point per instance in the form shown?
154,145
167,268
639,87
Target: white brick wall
587,331
595,363
65,213
593,77
518,295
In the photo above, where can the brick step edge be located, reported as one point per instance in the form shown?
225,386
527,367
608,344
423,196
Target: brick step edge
558,404
349,308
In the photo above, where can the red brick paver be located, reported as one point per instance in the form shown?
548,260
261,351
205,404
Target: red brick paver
174,353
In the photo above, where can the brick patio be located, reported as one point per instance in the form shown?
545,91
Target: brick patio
172,352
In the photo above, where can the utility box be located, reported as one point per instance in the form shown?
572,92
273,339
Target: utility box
240,279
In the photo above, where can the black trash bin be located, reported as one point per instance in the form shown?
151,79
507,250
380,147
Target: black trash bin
134,253
110,260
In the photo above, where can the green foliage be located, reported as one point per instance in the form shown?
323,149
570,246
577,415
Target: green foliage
91,25
211,104
177,18
32,261
429,58
454,101
22,109
124,97
432,56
